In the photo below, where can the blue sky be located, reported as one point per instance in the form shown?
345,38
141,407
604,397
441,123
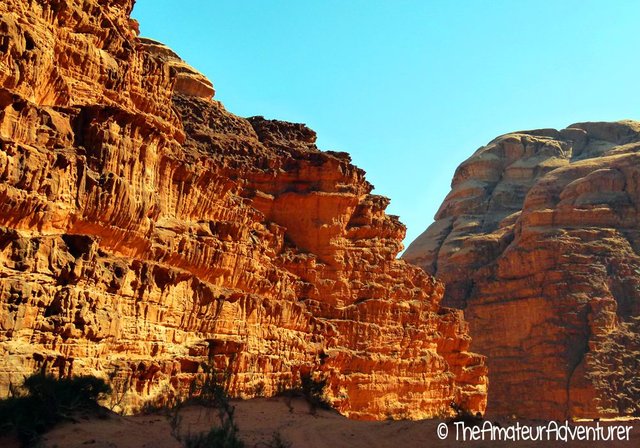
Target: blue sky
410,88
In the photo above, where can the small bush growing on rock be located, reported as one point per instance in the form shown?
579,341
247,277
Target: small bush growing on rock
465,415
209,390
313,390
44,401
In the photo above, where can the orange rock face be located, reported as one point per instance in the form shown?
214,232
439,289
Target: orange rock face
146,232
539,243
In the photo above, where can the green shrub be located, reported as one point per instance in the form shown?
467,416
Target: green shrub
310,387
44,401
465,415
209,390
314,392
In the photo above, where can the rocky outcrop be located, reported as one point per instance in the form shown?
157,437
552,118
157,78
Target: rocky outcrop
147,234
538,241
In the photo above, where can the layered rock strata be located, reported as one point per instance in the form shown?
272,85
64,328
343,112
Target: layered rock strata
147,235
539,241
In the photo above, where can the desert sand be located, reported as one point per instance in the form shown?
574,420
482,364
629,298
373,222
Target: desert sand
258,419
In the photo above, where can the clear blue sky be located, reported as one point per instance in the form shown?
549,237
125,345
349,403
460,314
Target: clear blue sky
411,88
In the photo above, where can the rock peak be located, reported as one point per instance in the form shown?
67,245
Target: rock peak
538,242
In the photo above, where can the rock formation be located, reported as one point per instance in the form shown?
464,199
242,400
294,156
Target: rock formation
539,242
146,234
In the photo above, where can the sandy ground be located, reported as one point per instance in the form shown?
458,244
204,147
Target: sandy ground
258,419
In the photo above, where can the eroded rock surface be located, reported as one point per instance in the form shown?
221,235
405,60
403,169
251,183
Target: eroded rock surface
146,232
538,241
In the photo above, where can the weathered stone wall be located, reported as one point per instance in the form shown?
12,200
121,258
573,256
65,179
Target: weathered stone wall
146,232
538,241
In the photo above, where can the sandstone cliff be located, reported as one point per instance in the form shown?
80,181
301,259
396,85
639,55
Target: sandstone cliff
539,242
146,232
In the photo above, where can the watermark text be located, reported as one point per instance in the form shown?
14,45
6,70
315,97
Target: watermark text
551,431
